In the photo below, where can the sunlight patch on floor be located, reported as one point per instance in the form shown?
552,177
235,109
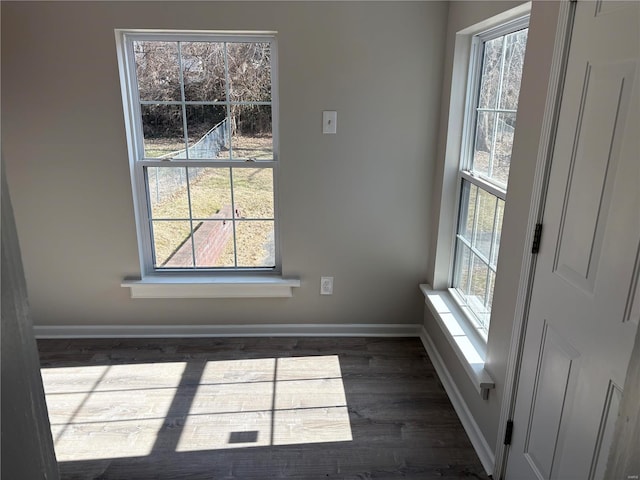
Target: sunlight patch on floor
109,411
118,411
283,402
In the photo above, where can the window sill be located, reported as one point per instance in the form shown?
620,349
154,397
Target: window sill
245,286
469,350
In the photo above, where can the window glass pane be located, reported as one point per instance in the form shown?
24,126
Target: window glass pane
163,131
501,159
203,71
249,72
208,132
214,243
491,64
484,226
467,210
493,145
251,132
485,130
478,290
515,47
167,189
498,233
253,192
210,190
484,317
463,267
256,243
172,244
500,88
157,70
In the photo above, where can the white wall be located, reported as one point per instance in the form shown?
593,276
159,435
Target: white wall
354,205
533,94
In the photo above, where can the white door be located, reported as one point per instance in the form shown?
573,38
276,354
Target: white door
584,308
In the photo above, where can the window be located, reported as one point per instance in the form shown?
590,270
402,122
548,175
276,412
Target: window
201,115
492,103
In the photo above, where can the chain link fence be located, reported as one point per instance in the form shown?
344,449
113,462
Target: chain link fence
210,145
165,181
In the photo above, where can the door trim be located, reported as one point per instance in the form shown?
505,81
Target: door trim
536,213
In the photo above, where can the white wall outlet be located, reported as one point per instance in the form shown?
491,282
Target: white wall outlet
326,285
329,121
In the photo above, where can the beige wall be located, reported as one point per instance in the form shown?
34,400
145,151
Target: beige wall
355,205
533,94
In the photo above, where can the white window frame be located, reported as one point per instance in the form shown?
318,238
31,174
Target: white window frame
465,170
194,282
452,316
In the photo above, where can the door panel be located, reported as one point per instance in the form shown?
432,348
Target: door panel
553,389
591,171
584,309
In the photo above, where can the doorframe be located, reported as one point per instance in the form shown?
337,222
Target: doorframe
536,213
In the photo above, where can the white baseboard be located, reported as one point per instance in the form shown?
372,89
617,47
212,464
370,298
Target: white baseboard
484,452
268,330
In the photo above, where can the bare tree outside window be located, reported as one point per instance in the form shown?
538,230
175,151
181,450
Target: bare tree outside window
502,63
221,81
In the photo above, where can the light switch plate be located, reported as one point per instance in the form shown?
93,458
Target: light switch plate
329,120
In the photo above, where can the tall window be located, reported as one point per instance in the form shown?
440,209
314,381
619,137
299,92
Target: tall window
495,74
201,114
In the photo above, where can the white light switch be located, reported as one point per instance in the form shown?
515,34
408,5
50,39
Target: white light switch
329,120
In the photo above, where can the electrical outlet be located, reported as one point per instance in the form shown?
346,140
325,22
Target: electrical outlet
326,285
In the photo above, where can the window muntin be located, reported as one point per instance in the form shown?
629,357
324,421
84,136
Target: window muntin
496,72
202,112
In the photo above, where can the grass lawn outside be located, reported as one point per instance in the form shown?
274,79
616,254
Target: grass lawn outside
209,191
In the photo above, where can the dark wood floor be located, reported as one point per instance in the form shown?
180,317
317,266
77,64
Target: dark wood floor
251,408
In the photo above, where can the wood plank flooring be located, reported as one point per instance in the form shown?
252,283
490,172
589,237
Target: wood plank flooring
251,408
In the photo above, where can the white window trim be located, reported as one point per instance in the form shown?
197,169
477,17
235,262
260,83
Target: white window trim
467,344
244,286
451,315
187,283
